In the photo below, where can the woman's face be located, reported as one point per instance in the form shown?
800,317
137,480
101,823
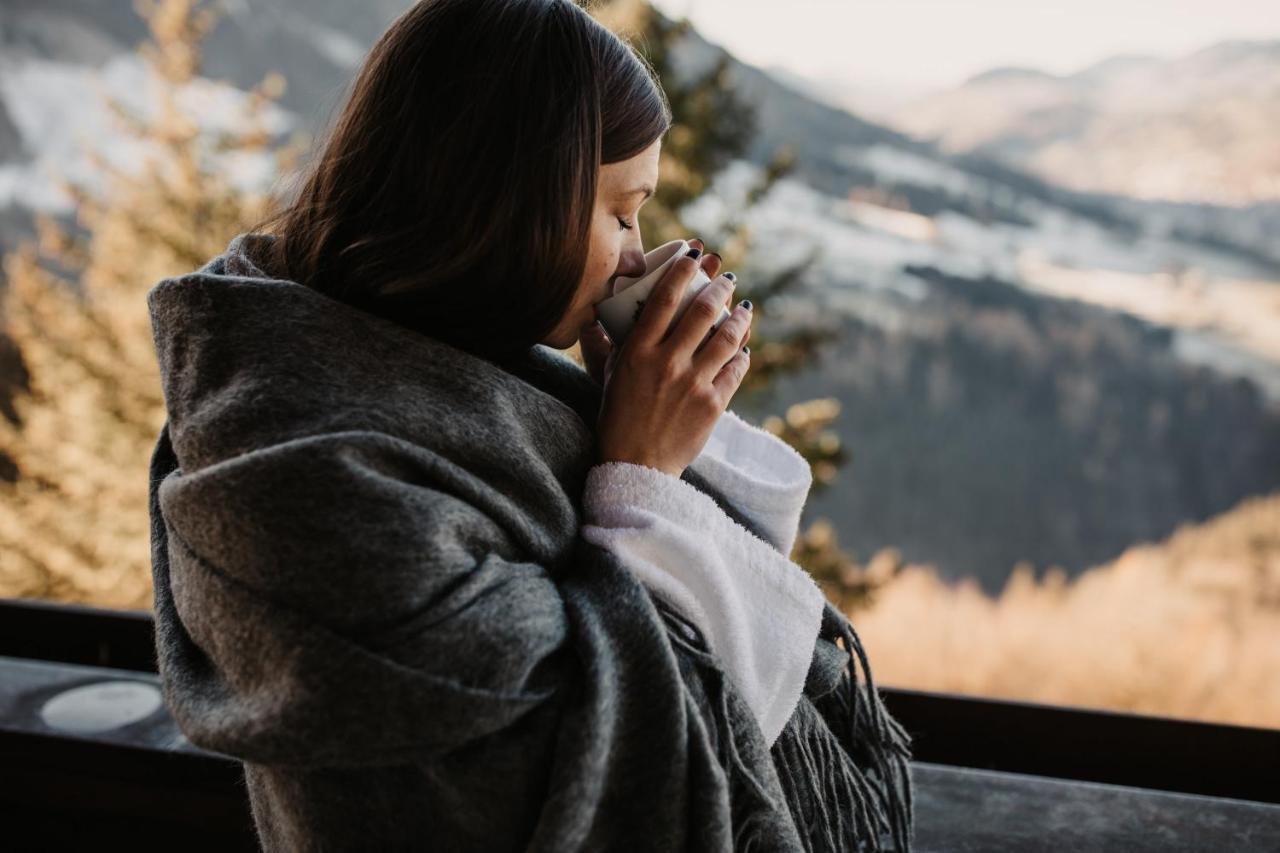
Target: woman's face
615,248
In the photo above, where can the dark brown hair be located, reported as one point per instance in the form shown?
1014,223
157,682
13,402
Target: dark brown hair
454,192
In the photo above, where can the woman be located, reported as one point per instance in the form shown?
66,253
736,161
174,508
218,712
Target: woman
434,584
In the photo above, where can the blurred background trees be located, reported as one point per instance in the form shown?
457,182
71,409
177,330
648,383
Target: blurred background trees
73,519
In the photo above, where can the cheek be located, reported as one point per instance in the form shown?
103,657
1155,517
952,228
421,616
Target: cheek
607,265
605,250
602,261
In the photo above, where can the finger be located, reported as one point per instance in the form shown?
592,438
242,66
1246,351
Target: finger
732,374
728,297
722,345
596,347
711,268
698,318
594,338
711,264
660,305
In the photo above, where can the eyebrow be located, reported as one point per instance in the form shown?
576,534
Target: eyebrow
646,189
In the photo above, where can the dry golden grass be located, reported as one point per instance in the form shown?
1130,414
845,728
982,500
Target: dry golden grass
1188,628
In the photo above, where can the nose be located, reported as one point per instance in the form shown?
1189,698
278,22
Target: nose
631,263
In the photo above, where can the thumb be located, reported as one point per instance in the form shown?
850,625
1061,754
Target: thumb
595,345
594,336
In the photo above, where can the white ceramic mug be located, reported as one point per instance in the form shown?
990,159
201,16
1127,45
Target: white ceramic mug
619,312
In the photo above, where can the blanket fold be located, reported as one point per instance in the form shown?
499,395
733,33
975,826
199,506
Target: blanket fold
370,587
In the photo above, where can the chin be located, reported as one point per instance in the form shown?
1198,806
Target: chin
562,340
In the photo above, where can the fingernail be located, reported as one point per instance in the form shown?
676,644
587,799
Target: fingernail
746,303
693,252
746,349
718,255
730,276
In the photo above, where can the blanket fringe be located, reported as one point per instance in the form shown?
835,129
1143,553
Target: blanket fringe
835,801
884,749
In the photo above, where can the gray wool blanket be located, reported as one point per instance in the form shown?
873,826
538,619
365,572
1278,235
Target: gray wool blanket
370,589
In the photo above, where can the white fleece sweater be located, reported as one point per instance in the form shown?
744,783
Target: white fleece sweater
759,612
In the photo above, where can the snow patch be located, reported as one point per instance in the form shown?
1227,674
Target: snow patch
60,111
1223,309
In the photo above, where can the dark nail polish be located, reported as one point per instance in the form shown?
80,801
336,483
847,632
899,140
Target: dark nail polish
730,276
746,349
746,303
694,252
718,255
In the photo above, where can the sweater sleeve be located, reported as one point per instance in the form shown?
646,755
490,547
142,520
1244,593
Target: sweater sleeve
759,612
760,474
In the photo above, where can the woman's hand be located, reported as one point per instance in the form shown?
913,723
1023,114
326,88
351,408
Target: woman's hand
596,347
663,393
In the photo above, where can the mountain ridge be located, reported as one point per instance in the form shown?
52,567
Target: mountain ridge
1199,127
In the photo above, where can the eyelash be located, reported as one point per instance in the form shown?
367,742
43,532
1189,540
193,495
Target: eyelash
626,226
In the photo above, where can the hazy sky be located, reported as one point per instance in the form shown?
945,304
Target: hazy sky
941,42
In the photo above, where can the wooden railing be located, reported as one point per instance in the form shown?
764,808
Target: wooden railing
990,774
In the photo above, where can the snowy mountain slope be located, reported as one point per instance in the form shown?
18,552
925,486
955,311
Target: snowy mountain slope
1002,402
1198,128
877,201
59,113
1025,371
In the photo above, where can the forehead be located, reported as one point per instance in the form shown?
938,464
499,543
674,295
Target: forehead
633,172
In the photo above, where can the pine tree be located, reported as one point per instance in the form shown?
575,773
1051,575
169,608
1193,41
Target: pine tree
713,124
74,523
